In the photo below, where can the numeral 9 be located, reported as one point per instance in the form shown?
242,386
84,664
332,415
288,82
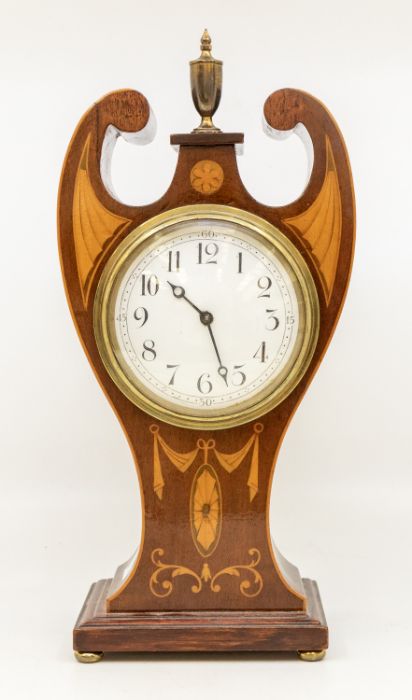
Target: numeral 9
141,315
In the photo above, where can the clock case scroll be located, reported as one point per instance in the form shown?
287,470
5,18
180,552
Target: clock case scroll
124,614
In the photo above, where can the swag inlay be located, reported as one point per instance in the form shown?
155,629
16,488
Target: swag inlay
229,461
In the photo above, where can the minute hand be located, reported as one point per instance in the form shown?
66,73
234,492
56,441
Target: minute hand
221,369
207,319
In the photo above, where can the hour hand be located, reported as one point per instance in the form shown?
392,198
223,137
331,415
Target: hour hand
178,292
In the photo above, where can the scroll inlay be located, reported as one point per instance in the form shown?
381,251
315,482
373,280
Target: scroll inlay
163,578
321,225
94,226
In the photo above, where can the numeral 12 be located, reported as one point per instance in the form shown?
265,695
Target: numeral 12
209,251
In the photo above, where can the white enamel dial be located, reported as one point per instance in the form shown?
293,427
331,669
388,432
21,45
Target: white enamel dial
205,318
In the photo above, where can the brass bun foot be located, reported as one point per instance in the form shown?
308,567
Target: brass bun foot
312,655
88,657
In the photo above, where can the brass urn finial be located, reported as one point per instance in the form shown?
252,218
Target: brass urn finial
206,84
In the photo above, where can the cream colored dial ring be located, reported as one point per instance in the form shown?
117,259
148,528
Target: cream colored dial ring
206,316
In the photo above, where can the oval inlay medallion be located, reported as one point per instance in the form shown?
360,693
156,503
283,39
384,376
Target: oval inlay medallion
206,510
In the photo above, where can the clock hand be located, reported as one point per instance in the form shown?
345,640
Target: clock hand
207,319
180,293
222,371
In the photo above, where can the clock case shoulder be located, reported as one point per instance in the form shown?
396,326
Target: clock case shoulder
92,223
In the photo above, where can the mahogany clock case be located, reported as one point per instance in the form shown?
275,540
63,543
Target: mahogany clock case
242,594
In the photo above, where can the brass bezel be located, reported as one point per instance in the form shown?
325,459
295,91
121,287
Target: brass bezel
258,227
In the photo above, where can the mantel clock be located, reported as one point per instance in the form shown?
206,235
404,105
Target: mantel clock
204,316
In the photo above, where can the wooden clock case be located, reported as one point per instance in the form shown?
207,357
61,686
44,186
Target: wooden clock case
237,592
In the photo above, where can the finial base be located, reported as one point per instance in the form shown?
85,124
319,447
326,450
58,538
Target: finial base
207,138
206,126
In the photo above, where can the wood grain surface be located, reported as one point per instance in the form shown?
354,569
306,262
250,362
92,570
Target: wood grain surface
100,631
321,225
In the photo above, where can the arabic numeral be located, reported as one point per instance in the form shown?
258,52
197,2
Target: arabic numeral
260,353
141,315
238,377
272,321
207,252
174,261
264,284
150,285
204,384
149,352
172,378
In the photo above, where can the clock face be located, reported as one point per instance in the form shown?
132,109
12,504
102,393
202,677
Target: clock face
206,318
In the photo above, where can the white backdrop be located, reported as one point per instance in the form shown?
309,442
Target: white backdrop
341,507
